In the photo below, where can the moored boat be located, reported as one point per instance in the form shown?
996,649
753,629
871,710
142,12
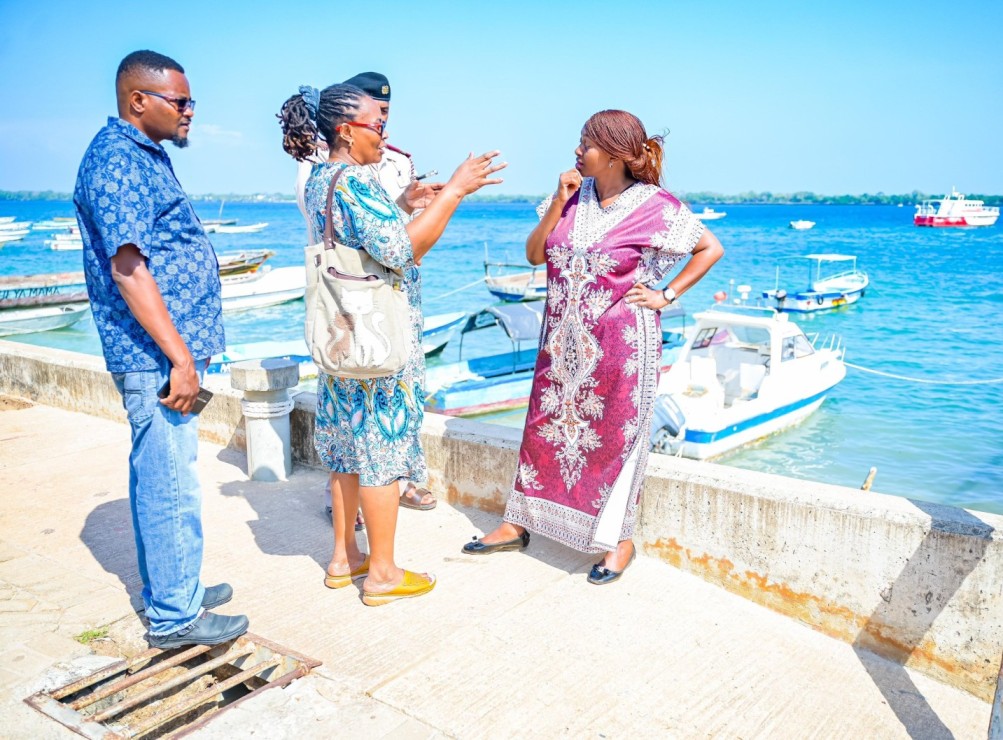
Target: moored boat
55,224
236,263
833,281
514,287
802,224
30,291
709,214
743,374
264,287
31,320
954,210
232,229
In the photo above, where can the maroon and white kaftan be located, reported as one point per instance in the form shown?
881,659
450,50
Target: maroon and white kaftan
585,443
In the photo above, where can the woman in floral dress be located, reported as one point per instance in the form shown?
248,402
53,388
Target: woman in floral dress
367,430
607,235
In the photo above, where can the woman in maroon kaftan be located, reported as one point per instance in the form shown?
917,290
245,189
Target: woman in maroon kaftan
607,234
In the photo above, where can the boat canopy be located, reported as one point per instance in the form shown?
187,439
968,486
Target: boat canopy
520,321
830,257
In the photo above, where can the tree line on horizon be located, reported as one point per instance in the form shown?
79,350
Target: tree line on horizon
803,197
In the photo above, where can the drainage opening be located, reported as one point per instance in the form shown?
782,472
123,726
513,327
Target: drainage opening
169,693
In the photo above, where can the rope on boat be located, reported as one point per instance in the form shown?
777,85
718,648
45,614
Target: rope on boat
452,292
991,381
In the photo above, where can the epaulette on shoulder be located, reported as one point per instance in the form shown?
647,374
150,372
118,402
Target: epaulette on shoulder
399,151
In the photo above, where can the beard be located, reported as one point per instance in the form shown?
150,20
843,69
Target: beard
179,140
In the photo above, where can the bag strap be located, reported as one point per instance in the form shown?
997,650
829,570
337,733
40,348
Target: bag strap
328,228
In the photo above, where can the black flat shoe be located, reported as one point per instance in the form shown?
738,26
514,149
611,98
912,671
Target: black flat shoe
477,547
600,575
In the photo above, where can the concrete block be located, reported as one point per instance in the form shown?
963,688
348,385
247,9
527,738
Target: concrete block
264,375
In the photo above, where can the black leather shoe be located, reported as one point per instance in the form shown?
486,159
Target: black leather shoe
600,575
209,629
477,547
216,595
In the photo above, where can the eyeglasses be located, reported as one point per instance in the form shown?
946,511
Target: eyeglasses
182,104
379,127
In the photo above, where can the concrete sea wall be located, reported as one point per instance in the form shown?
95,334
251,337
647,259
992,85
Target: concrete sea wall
919,583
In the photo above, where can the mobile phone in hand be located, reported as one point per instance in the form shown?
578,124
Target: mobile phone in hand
201,400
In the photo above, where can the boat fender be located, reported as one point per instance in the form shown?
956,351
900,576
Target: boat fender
668,416
819,299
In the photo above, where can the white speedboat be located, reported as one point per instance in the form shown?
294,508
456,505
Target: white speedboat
743,374
56,224
802,224
231,229
11,236
67,244
6,220
833,281
709,214
11,226
41,318
264,287
954,210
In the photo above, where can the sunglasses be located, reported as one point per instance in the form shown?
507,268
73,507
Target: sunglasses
182,104
379,127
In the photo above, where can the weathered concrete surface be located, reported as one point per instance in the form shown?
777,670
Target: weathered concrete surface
507,644
915,582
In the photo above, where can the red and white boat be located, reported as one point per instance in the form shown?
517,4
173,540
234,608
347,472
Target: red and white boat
955,210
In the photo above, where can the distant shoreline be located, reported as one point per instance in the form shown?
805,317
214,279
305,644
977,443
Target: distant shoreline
702,198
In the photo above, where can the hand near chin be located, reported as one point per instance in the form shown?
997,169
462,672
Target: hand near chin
421,194
568,185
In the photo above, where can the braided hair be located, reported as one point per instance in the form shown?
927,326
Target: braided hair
621,135
307,116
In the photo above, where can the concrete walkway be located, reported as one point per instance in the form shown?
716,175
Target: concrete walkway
508,644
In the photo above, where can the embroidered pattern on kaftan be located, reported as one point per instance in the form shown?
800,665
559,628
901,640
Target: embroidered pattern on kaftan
594,386
370,427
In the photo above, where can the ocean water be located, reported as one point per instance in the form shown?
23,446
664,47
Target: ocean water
932,313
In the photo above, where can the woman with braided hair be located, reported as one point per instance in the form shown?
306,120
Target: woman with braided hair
366,431
608,235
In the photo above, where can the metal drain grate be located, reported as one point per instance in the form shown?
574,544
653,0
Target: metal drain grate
170,693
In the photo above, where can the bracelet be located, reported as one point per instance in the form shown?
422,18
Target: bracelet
669,294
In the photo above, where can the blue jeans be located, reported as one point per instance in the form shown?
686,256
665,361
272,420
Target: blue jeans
166,501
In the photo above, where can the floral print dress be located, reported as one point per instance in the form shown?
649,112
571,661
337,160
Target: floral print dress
370,427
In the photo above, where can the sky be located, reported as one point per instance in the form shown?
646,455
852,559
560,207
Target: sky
848,97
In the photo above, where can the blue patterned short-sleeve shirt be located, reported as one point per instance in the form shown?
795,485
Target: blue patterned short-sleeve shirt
127,193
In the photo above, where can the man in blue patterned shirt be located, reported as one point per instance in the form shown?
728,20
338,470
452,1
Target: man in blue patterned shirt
154,287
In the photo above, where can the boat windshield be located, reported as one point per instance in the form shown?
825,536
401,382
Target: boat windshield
795,347
709,338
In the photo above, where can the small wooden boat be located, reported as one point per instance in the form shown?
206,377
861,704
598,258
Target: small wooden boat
263,287
236,263
248,229
55,224
41,318
514,286
828,287
32,291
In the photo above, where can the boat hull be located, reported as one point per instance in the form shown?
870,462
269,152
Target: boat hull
15,321
812,302
263,288
703,444
938,221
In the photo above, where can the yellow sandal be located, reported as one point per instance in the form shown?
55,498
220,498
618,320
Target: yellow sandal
346,579
413,584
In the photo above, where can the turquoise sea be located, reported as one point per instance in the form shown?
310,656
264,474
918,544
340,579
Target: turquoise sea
932,313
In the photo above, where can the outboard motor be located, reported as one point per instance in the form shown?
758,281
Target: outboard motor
667,424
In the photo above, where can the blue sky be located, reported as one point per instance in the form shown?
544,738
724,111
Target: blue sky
779,96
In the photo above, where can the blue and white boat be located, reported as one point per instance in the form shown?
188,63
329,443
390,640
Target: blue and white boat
833,281
439,329
514,287
743,374
503,382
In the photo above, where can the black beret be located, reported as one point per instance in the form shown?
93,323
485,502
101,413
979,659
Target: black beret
372,84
